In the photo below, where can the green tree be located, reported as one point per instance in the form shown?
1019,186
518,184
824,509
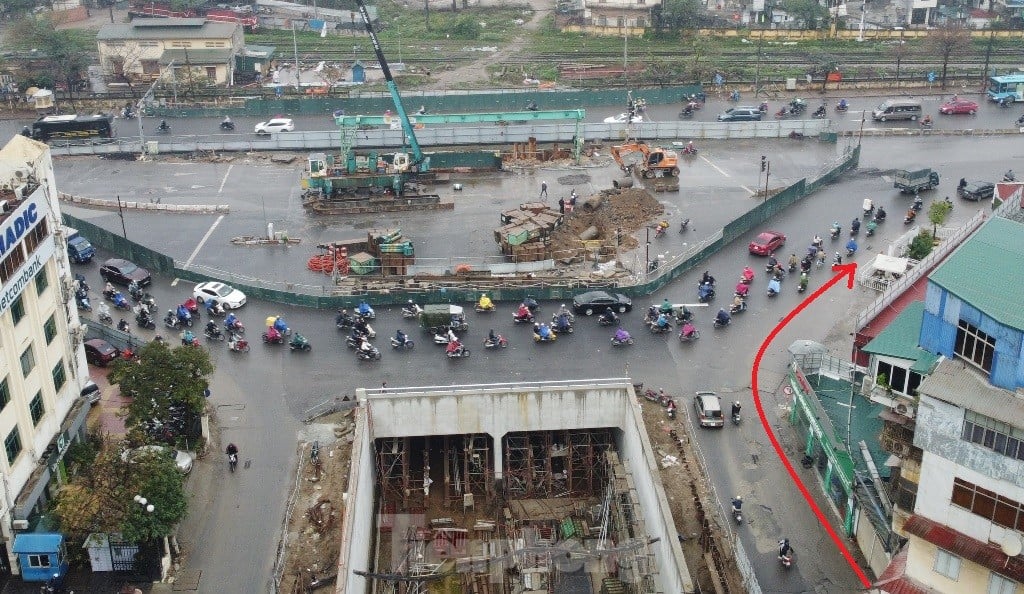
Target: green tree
467,27
162,377
937,213
16,7
673,15
808,12
66,53
921,245
102,497
947,41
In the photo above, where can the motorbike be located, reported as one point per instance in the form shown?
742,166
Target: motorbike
686,112
656,329
171,320
163,128
689,337
373,354
918,204
299,343
214,309
705,293
237,327
458,352
842,106
192,306
670,410
443,339
145,321
740,307
783,113
763,108
911,215
409,311
551,337
737,514
800,288
227,126
608,318
773,288
135,292
366,312
559,326
398,344
689,150
620,340
104,315
871,229
736,418
82,301
232,461
683,225
719,323
499,342
786,558
276,339
527,319
659,231
834,232
345,321
819,113
851,250
237,344
213,333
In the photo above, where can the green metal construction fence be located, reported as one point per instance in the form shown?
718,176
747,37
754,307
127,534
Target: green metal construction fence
319,297
438,102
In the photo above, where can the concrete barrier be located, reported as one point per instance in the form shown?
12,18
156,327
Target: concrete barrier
134,205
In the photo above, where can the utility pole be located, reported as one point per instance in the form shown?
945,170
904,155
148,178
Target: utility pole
138,116
899,59
295,46
757,69
988,56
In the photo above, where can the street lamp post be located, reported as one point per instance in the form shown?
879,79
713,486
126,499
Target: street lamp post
146,505
899,58
647,252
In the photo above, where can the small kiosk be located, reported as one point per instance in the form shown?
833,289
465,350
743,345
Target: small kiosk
41,555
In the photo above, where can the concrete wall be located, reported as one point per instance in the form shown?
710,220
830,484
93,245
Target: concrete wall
497,409
358,520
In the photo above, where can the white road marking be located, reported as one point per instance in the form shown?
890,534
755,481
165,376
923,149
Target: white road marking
224,181
716,167
752,192
202,242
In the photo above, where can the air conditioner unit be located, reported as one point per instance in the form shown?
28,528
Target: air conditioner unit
900,449
19,524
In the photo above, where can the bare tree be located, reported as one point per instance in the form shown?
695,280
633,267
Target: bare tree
946,42
125,61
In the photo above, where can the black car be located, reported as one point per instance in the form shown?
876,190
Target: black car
977,190
100,352
740,114
593,302
123,272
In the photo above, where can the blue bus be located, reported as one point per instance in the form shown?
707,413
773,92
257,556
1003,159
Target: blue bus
1008,88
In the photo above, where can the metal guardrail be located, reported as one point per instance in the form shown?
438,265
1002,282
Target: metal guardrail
449,136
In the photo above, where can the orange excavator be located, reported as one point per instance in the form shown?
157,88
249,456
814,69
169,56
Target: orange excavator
649,161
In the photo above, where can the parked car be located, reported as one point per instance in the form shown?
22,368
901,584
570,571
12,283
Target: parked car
100,352
182,460
123,272
959,106
709,409
91,392
740,114
766,243
977,190
622,118
275,125
593,302
226,295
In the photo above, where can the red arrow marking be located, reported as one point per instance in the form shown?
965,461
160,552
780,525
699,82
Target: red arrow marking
847,271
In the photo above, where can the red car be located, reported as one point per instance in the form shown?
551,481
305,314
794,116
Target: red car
959,106
766,243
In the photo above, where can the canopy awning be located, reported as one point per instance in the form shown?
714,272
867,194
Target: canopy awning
890,264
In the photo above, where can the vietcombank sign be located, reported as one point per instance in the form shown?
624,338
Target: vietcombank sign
12,235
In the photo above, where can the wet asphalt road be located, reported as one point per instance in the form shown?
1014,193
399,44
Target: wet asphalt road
260,396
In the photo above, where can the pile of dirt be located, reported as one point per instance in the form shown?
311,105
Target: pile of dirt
618,212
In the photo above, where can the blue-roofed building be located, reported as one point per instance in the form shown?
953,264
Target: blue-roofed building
41,555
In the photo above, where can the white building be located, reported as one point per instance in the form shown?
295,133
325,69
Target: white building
42,363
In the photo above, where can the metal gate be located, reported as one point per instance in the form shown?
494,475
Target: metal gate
123,555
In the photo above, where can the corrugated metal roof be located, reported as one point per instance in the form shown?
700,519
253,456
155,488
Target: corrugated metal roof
957,383
894,580
989,556
900,338
37,542
985,271
167,29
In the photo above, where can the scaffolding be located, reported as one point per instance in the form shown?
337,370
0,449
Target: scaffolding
401,484
546,464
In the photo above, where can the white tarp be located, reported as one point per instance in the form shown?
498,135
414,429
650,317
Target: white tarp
890,264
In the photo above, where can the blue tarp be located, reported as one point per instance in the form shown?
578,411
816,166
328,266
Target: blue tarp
43,542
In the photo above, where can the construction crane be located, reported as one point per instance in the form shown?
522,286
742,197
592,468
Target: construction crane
418,161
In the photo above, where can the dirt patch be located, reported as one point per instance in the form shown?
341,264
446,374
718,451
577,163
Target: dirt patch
313,533
618,212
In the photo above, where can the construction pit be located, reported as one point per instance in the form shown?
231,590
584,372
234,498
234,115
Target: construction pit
501,488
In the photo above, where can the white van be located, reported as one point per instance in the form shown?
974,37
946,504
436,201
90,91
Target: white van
897,109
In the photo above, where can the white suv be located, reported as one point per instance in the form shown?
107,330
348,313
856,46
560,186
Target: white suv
709,409
275,125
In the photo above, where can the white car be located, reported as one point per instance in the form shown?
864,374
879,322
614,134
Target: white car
622,118
226,295
182,460
275,125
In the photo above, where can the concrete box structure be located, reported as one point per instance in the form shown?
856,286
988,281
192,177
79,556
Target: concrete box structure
141,50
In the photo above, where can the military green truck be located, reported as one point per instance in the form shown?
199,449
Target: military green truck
442,317
913,181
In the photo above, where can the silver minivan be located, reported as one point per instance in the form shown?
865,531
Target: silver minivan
897,109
